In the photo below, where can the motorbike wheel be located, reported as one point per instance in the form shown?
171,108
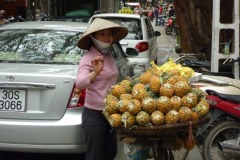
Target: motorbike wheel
168,30
226,130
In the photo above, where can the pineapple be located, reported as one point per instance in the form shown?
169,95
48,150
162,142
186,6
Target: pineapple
172,117
202,108
143,118
134,106
187,72
117,90
128,119
176,103
125,96
204,102
155,84
167,90
138,86
122,105
180,78
163,104
145,77
155,71
111,106
190,100
140,94
149,105
195,116
110,97
127,84
136,80
174,72
200,94
175,78
157,118
181,88
106,114
115,120
185,114
171,80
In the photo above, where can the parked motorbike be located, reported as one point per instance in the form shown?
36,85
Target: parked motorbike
204,66
169,22
43,17
150,15
161,20
221,133
18,18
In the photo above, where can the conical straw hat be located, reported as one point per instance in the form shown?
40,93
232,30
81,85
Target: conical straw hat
98,24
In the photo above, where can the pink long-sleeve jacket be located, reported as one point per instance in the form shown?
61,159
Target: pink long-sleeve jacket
97,91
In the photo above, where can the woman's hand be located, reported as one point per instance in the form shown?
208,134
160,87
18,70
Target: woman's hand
98,64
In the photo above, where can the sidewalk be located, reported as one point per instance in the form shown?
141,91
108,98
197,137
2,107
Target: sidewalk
166,43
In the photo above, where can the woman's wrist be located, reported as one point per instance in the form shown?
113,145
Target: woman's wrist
96,73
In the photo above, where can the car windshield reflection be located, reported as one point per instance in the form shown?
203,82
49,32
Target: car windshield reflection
40,46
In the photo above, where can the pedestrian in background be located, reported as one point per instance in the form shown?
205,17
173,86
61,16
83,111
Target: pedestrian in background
137,10
150,10
160,9
2,19
171,11
97,73
156,15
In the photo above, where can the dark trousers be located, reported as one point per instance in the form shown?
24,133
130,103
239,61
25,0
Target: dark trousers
101,140
156,20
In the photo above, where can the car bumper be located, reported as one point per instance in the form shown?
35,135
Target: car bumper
44,136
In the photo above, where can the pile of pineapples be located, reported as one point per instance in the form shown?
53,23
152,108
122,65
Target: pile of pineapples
160,96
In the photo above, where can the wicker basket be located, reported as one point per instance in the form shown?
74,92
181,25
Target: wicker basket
163,130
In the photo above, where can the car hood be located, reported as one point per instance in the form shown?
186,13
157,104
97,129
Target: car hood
69,70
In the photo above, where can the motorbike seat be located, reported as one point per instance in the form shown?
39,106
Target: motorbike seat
233,98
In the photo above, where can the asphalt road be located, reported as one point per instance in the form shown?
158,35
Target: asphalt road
37,156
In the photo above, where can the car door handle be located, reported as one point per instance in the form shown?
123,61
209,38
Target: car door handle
123,43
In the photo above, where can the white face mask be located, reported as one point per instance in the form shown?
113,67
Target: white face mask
102,46
100,43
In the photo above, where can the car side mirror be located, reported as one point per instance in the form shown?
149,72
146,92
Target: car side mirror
131,52
157,33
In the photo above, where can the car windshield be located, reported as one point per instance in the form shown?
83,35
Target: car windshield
133,26
40,46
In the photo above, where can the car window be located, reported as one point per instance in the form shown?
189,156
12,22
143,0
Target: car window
133,25
40,46
44,46
150,30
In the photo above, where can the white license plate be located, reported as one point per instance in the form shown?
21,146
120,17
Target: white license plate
12,100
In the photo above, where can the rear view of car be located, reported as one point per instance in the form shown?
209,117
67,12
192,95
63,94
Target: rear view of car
141,36
40,108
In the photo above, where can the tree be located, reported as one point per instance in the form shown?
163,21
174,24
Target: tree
194,18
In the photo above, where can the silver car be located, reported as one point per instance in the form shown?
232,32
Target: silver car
40,108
